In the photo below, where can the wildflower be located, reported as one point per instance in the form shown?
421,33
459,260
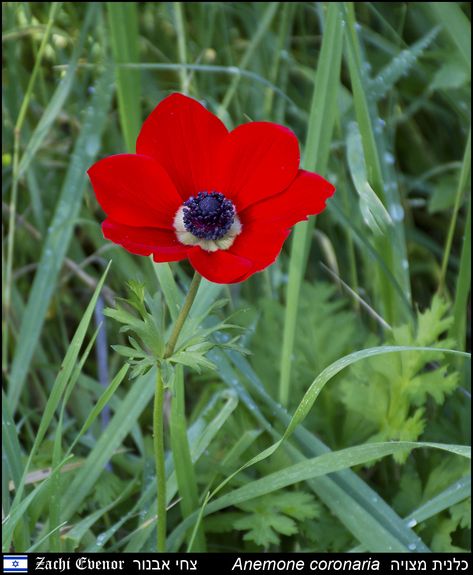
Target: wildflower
224,200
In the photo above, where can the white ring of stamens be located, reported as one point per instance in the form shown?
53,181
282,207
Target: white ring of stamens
188,239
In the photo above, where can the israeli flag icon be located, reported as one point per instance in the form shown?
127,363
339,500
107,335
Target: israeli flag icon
15,563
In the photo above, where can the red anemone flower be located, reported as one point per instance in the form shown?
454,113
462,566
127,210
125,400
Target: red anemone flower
224,200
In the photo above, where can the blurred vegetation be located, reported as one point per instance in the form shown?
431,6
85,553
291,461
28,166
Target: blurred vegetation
379,97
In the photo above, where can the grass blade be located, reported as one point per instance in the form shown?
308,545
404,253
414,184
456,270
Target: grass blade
213,69
359,508
459,326
169,288
76,534
392,310
10,445
61,94
59,389
372,209
45,537
264,24
102,402
58,239
123,24
455,25
321,123
462,184
316,387
181,45
324,464
22,507
455,493
15,178
186,480
308,469
128,412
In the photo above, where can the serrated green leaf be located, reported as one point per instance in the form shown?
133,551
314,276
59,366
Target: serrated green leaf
461,514
268,516
263,529
194,360
129,352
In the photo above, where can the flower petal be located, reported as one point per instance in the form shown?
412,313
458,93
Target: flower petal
221,267
135,190
259,243
163,244
256,161
305,196
183,137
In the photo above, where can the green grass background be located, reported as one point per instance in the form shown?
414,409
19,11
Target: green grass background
379,97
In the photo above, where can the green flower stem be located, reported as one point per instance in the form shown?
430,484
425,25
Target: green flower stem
158,415
181,318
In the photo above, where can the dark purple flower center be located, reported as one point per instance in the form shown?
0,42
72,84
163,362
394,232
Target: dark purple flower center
209,215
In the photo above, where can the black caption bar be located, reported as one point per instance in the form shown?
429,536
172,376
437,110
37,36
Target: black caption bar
223,563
